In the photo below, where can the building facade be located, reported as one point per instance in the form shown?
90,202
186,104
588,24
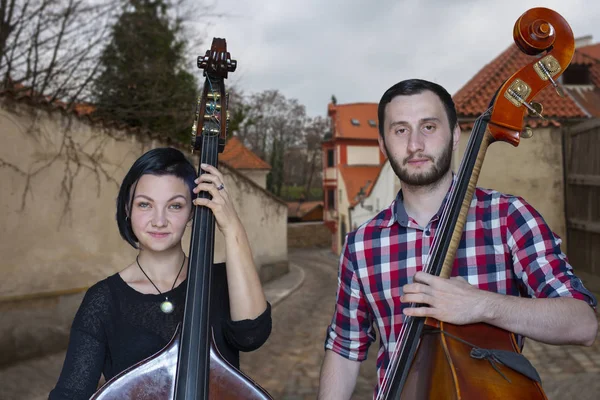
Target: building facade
352,162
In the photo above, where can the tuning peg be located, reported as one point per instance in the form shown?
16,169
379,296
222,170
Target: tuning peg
557,87
527,133
534,109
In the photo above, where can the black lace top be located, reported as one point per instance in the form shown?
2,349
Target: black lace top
116,327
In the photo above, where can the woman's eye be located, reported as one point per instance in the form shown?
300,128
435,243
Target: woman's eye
143,205
176,206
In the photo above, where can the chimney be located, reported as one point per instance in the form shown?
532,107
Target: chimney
583,41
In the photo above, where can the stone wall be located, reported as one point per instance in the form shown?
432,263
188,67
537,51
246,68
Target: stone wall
308,234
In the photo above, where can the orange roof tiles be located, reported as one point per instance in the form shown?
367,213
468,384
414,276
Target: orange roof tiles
592,50
364,113
474,97
357,177
238,156
300,209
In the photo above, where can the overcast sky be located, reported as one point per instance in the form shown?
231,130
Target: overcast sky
356,49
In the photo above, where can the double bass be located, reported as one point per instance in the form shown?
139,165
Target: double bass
190,366
437,360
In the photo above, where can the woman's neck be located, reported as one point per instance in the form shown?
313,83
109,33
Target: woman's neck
163,265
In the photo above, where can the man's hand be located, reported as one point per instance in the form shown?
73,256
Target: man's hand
451,300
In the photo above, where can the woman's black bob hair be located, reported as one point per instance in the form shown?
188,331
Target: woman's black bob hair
159,161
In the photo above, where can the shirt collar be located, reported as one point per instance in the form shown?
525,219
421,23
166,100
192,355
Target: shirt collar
400,215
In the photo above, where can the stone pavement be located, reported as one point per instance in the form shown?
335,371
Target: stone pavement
291,372
288,364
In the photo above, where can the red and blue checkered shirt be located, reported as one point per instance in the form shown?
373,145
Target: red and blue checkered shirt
506,247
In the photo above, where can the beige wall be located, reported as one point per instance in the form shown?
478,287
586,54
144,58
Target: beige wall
329,173
342,209
383,193
532,170
58,227
258,176
363,155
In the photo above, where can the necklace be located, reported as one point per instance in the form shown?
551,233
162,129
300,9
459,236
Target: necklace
166,306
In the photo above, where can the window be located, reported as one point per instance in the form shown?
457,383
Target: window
330,160
576,75
330,199
355,122
373,123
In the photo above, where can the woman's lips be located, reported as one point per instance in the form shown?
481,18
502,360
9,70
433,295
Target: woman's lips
158,235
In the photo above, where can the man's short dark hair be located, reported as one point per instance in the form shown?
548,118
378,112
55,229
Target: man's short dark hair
159,161
416,86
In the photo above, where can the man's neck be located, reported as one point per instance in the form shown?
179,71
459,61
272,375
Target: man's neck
423,202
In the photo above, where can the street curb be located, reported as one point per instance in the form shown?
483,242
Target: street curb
279,289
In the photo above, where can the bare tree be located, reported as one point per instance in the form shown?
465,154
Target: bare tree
51,47
278,130
272,125
314,135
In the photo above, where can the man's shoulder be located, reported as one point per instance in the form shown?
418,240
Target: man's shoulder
370,228
381,219
491,197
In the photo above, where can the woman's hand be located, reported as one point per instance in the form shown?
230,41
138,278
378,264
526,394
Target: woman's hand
246,297
220,204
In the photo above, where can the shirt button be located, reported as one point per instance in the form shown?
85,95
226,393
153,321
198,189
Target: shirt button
427,232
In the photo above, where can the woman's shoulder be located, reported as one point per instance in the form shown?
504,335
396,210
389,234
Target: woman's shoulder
102,289
98,298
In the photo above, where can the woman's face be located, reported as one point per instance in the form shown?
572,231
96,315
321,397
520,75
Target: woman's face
160,209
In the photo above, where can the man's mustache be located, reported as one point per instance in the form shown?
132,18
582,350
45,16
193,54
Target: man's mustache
418,156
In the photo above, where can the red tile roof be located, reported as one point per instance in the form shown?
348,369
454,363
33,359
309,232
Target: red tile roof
238,156
357,177
474,97
364,113
299,209
592,50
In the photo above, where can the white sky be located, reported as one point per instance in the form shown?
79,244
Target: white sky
356,49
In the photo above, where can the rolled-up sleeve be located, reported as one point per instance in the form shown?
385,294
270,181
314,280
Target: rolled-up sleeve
351,330
538,261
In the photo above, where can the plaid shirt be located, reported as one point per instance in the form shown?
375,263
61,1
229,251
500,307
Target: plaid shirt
506,247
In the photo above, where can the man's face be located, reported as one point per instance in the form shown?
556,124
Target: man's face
417,138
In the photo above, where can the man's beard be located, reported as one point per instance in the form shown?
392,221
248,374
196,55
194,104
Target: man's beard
440,167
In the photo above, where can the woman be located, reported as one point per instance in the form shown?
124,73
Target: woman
133,314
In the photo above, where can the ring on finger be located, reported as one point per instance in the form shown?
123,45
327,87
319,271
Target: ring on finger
221,187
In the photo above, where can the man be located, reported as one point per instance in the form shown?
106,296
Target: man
379,263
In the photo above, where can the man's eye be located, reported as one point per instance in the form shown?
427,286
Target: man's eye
429,128
400,131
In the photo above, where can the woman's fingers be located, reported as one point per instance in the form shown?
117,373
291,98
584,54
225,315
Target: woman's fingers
212,170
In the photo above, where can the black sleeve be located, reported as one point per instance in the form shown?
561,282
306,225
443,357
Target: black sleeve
244,335
249,334
87,347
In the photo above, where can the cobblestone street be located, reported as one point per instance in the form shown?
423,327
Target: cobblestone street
288,365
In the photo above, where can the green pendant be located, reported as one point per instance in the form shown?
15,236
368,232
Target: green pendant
166,306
